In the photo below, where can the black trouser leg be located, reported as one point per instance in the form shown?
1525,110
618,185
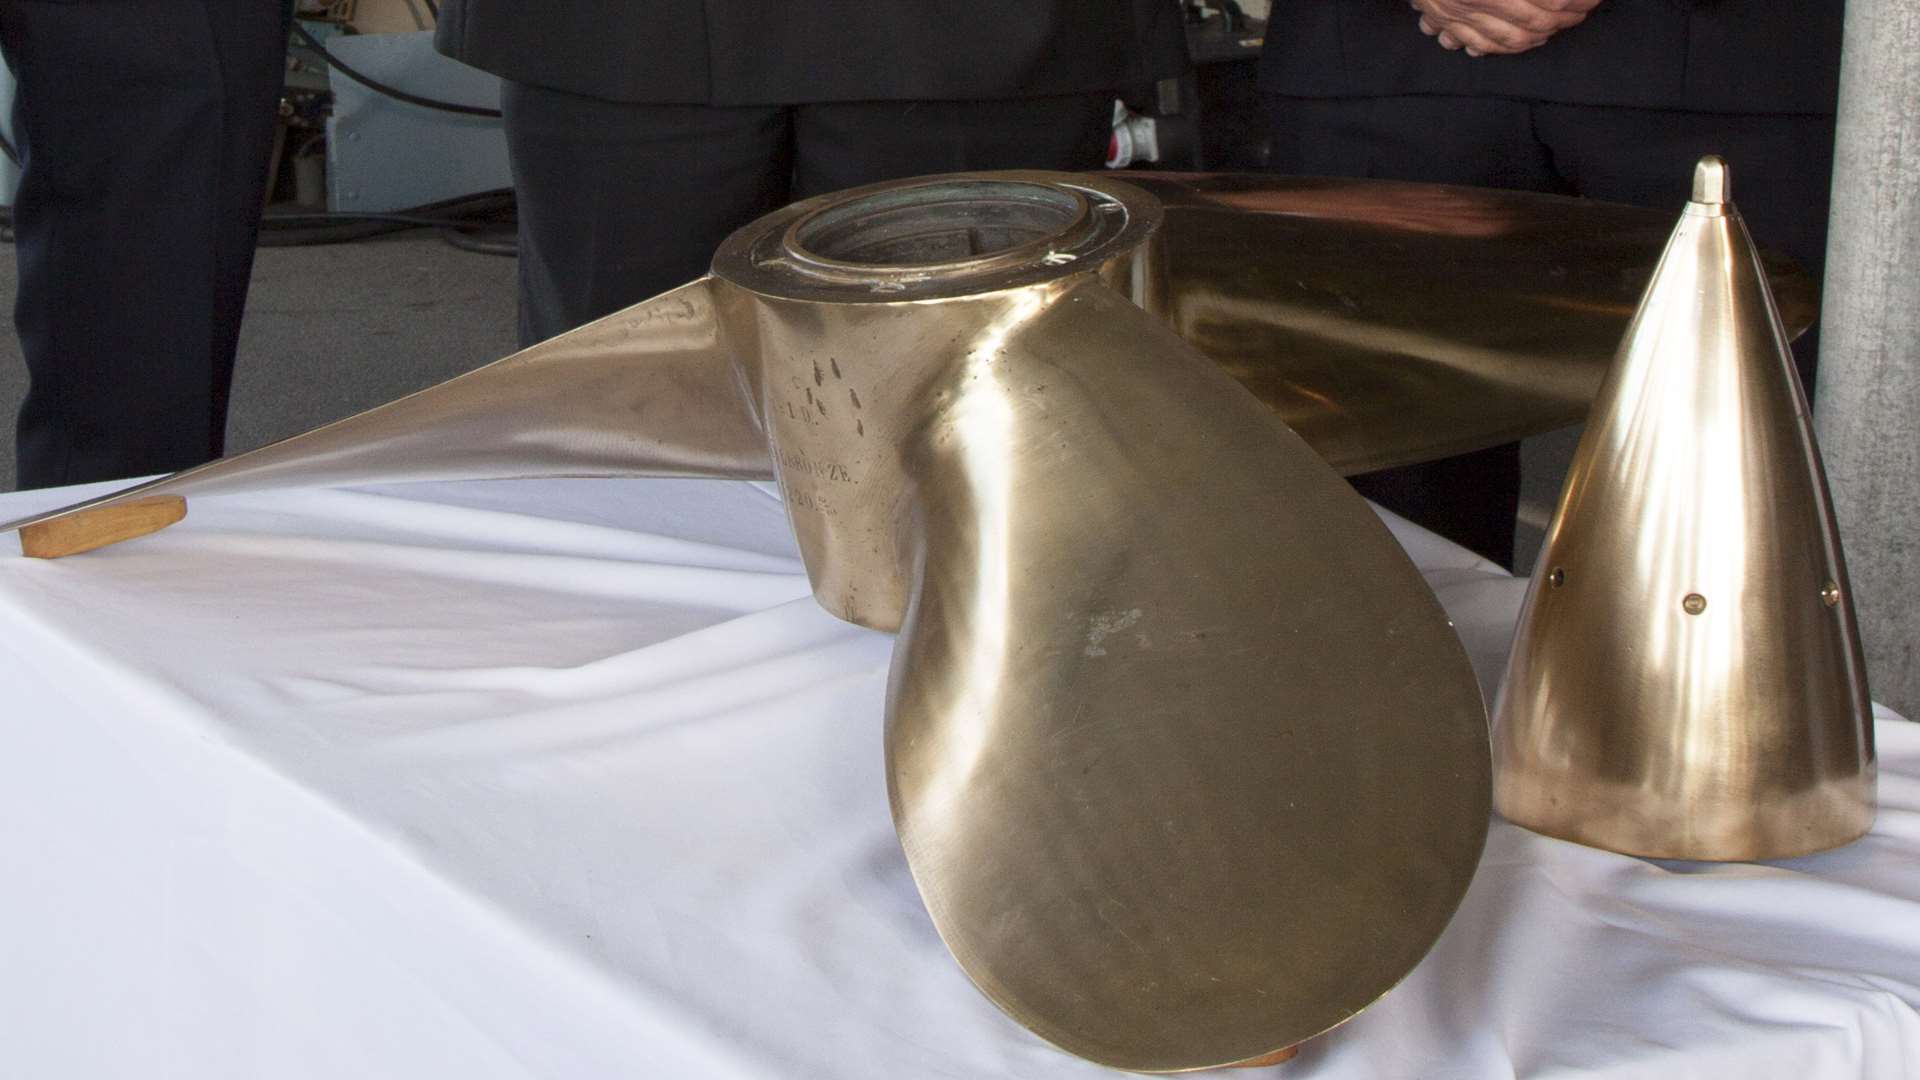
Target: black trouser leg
619,202
145,126
847,144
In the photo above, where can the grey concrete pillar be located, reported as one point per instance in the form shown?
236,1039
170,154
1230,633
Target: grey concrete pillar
1867,410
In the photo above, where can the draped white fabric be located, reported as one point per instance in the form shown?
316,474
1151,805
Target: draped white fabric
571,779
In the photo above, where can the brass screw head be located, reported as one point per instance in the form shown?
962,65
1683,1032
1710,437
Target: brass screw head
1830,594
1693,603
1557,578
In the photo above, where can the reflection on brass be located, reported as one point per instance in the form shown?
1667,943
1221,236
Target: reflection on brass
71,534
1185,758
1733,723
1390,323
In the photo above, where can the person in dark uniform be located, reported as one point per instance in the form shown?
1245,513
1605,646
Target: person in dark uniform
1611,99
640,135
144,128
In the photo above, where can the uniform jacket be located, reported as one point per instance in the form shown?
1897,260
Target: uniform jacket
788,52
1732,56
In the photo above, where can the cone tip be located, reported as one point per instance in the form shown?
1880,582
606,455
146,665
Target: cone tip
1711,184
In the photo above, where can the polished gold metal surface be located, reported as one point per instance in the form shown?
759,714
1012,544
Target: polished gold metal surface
1686,681
1184,756
1390,323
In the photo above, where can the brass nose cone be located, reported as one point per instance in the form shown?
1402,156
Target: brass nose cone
1734,724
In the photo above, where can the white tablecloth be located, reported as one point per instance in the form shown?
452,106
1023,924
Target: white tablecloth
573,780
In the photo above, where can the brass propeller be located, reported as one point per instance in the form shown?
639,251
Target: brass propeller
1185,758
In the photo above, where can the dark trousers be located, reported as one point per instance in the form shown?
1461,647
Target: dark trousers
145,128
1781,166
619,202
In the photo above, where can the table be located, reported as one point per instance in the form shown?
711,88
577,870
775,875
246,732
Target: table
572,779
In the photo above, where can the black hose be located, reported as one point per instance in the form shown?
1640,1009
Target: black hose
379,87
463,222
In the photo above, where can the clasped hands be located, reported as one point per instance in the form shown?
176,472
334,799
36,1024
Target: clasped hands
1485,27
